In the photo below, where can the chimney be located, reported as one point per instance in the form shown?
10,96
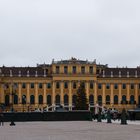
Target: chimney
28,73
111,73
136,74
11,73
44,72
128,74
119,73
36,74
19,73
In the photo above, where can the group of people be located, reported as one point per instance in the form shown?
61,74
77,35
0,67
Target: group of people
103,112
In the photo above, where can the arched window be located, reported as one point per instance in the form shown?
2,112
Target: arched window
40,99
7,100
115,99
107,99
123,99
49,100
23,99
91,99
66,99
74,98
32,99
132,99
99,99
57,99
15,99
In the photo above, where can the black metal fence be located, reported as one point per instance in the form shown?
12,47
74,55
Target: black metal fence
48,116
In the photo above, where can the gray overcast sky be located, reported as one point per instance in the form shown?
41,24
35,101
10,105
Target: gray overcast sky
36,31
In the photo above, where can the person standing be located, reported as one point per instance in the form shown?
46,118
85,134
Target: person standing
1,119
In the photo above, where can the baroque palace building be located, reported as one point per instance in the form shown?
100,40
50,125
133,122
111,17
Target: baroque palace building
49,85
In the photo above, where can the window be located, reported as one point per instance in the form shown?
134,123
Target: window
74,98
115,99
49,85
91,70
123,86
7,100
57,69
132,99
107,86
99,86
74,85
65,85
65,69
74,69
100,99
115,86
32,99
57,99
40,85
15,85
57,85
107,99
66,99
91,85
132,86
98,71
82,69
23,85
40,99
23,99
15,99
123,99
49,100
91,100
32,85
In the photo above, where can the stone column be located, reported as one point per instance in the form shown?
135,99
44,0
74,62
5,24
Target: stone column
2,96
70,94
128,93
95,92
104,97
28,93
61,69
53,92
120,94
10,95
136,93
70,69
19,94
86,69
111,97
36,94
87,90
44,94
62,93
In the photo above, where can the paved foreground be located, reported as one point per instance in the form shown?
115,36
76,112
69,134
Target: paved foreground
78,130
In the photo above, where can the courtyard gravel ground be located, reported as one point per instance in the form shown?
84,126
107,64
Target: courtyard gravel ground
70,130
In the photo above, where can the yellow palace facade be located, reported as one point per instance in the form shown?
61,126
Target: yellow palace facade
50,85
